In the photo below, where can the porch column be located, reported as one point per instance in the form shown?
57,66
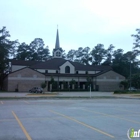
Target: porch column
78,83
58,83
47,85
83,86
72,86
50,87
62,86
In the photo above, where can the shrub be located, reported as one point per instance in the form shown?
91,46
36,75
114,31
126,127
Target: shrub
43,85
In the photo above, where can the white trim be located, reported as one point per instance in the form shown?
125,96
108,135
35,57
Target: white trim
109,80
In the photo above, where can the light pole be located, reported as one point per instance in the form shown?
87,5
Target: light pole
90,90
130,75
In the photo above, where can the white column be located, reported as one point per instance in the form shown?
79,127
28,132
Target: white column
72,86
83,86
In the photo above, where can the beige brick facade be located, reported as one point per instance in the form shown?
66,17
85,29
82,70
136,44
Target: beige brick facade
27,78
109,81
24,80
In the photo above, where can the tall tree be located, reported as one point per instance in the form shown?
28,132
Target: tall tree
86,58
6,51
82,55
71,55
64,55
124,62
98,54
35,51
78,54
23,52
135,80
137,42
6,47
118,63
109,55
36,48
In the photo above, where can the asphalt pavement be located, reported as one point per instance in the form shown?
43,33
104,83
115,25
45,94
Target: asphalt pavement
100,119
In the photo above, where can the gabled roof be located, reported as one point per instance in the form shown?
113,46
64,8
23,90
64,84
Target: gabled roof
25,68
79,66
23,63
55,63
49,64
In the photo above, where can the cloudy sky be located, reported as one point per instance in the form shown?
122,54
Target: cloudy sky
81,23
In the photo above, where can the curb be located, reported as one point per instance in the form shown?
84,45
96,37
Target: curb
64,97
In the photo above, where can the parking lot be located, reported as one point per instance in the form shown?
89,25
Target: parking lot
73,119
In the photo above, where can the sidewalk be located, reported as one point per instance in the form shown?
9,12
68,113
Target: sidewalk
13,94
67,95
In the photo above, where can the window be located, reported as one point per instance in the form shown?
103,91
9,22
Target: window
76,72
56,71
86,72
58,54
67,69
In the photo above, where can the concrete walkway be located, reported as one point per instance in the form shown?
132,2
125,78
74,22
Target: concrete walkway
68,94
13,94
96,94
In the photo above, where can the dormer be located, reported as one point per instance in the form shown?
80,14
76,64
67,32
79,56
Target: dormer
67,68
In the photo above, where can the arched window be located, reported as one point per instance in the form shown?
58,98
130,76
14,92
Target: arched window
67,69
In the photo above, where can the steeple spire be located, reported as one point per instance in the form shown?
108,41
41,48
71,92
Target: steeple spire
57,51
57,45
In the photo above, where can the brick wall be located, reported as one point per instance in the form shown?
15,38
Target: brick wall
109,81
24,80
27,78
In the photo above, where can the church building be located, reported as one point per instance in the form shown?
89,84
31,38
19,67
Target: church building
60,75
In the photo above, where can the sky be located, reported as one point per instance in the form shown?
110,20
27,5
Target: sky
81,23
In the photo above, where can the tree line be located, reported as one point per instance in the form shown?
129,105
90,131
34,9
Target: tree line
37,51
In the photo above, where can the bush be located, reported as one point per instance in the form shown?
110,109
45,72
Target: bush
120,91
43,85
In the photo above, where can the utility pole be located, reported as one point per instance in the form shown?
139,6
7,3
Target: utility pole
90,90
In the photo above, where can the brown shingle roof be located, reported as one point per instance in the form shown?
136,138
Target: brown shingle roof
23,63
79,66
49,64
55,63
